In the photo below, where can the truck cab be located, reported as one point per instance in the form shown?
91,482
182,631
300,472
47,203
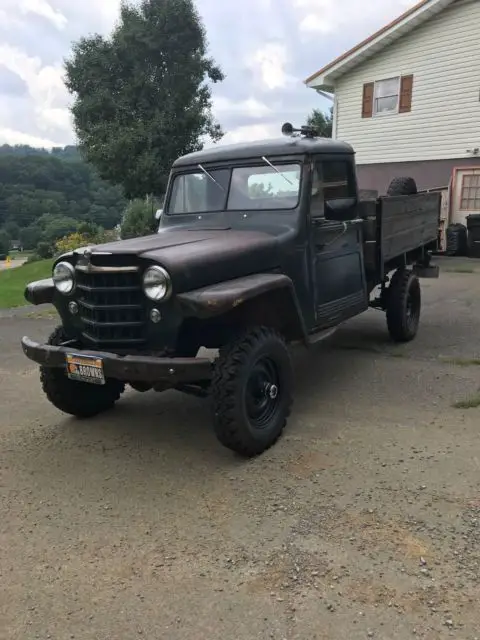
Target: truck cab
259,245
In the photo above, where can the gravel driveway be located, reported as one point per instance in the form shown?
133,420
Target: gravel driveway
362,522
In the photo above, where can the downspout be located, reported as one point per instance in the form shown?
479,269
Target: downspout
335,118
332,98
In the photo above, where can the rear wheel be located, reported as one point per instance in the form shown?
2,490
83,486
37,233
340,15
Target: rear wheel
252,391
404,302
78,399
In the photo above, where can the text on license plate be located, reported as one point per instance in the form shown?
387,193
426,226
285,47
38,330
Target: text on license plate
85,369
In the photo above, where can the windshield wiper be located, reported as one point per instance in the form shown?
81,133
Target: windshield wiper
210,176
277,171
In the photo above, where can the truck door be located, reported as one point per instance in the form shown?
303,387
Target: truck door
337,248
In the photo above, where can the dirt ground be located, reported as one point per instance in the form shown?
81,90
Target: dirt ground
362,522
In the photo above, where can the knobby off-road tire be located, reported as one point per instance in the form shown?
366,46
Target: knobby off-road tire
402,187
78,399
404,303
252,391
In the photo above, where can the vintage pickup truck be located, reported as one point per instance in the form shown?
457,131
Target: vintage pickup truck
259,245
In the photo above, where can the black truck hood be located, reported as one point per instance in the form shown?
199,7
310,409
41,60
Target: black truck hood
198,257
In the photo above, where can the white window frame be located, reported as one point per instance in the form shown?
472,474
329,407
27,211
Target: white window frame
379,114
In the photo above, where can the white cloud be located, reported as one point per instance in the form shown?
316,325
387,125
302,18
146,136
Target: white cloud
251,107
269,62
12,10
250,133
12,137
46,88
44,9
328,16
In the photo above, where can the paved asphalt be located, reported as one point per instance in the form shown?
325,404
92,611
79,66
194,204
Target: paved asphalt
362,522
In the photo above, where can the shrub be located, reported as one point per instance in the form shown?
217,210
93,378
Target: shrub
44,250
34,257
139,219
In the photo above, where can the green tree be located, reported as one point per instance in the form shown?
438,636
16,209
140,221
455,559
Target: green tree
30,236
260,190
12,229
55,227
35,182
142,96
322,122
4,243
139,219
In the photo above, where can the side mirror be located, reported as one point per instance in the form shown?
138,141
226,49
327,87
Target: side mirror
158,214
341,210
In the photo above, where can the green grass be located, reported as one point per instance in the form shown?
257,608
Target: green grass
14,280
20,255
461,362
473,402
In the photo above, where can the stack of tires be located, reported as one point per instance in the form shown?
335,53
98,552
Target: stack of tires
457,240
473,226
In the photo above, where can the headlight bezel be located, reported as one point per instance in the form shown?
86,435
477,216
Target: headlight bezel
71,269
167,283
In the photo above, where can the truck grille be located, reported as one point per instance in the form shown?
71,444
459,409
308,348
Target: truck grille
111,305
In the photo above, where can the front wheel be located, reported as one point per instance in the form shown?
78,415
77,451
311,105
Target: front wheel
404,302
252,391
78,399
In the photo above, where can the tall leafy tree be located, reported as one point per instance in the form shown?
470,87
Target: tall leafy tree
142,96
322,122
4,243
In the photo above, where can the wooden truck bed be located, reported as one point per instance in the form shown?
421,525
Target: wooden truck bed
399,228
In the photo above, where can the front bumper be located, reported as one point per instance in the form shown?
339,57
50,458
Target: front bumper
130,368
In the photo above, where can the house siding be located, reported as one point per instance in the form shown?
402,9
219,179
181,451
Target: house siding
429,174
443,55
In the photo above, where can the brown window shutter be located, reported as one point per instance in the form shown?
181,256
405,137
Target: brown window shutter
367,103
406,92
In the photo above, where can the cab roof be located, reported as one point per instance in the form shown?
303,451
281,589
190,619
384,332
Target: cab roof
286,146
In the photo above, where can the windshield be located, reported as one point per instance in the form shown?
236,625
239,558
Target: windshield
268,186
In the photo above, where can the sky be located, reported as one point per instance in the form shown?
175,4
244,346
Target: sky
266,48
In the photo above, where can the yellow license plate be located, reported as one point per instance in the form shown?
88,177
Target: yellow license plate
85,369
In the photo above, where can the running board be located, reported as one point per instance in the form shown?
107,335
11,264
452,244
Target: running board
320,336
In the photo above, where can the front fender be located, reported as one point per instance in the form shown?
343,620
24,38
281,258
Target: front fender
219,298
40,291
225,297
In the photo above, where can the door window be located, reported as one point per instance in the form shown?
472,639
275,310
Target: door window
332,180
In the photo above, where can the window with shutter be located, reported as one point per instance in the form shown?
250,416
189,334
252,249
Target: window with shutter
367,105
406,92
389,96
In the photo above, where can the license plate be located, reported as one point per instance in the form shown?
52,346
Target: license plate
85,369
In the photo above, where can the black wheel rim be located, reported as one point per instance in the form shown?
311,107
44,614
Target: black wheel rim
412,312
263,393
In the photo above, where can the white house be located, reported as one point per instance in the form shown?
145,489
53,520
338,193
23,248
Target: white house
408,99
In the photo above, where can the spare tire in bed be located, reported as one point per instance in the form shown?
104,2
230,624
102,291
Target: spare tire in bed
402,187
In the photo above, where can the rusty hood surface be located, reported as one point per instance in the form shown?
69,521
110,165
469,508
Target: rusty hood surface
198,257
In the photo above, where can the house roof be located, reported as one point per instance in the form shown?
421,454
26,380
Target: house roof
418,14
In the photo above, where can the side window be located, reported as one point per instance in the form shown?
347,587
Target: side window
337,181
332,180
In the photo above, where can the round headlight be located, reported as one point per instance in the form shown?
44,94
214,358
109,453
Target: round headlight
157,284
64,277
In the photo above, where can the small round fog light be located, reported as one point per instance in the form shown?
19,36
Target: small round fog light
155,316
73,308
